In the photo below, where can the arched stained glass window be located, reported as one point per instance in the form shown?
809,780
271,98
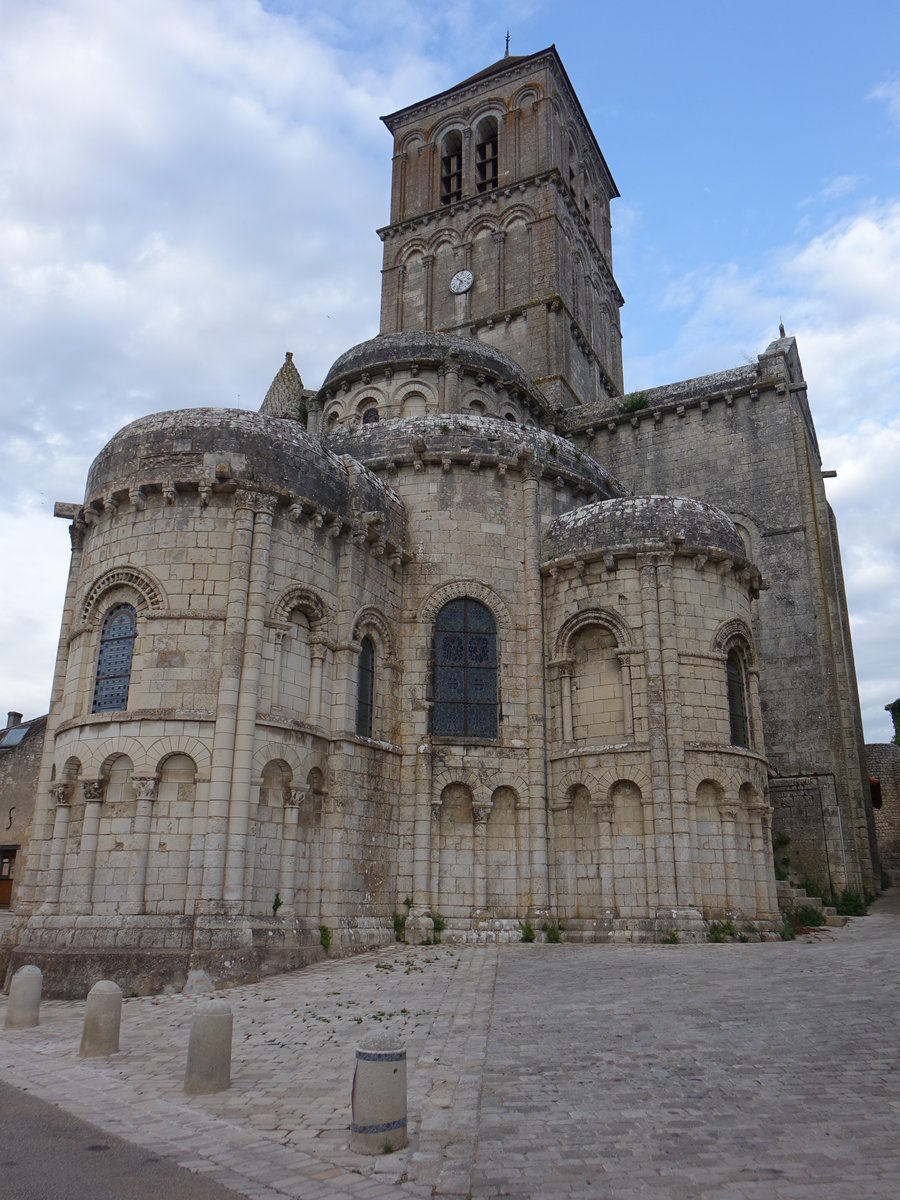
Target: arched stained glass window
365,688
114,660
465,671
737,699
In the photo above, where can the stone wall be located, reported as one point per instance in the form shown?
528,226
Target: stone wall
883,760
744,440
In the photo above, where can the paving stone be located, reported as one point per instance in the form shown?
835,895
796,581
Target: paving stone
737,1072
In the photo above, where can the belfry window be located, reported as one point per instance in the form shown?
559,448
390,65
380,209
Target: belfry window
736,677
114,659
465,671
486,155
451,169
365,688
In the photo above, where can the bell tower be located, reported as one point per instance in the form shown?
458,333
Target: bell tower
500,227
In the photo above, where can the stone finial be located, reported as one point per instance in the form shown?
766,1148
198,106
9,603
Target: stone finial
102,1020
24,1007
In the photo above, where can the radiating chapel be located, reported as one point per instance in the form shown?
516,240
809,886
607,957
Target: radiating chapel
467,636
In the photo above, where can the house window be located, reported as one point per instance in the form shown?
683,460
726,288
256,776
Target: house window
465,671
737,699
365,688
114,660
451,169
486,156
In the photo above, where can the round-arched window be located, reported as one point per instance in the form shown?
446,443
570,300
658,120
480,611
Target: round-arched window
113,676
466,688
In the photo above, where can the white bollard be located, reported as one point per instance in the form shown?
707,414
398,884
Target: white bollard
102,1020
23,1009
378,1099
209,1049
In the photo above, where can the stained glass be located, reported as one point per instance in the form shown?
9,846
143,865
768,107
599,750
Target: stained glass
365,687
114,659
465,671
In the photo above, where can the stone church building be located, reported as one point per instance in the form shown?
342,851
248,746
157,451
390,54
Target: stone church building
466,633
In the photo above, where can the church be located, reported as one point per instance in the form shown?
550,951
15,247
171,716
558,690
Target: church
466,641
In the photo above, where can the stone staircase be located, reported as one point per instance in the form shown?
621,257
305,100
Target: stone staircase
790,897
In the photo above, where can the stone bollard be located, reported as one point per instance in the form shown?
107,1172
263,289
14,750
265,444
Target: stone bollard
102,1019
209,1049
23,1009
378,1099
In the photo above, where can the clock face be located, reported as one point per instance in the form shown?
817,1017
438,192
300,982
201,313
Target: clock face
461,282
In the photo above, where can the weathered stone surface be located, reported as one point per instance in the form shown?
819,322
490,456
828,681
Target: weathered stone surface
24,1006
102,1020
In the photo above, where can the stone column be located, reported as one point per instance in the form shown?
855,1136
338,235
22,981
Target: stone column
566,670
535,675
428,271
421,893
316,857
728,816
317,650
145,791
57,858
763,863
603,810
227,703
660,845
80,894
275,700
293,798
648,814
480,814
248,699
434,879
668,640
499,240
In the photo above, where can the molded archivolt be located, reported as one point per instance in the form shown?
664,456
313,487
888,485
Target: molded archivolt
311,605
370,620
300,766
148,593
472,589
735,634
573,780
606,618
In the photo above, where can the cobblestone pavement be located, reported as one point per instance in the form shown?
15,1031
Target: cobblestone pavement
712,1072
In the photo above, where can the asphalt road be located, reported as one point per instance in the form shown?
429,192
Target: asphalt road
45,1154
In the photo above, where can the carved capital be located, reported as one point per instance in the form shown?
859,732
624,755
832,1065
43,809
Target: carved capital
60,792
480,813
144,787
294,797
436,812
93,789
603,809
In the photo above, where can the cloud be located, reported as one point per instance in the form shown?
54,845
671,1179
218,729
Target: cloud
838,296
889,94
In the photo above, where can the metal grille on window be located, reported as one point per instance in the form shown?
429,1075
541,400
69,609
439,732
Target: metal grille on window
365,688
114,660
737,700
465,671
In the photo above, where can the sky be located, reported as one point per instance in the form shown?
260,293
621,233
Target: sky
189,188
